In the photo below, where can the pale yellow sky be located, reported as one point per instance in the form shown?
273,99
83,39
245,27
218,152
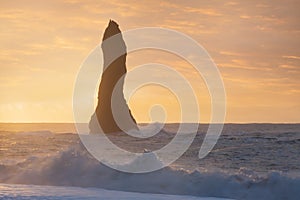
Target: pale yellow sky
255,44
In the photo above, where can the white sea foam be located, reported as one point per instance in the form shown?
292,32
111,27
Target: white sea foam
75,167
34,192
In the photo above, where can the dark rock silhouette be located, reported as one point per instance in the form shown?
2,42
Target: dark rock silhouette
114,71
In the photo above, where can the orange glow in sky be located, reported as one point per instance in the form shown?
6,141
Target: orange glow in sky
255,44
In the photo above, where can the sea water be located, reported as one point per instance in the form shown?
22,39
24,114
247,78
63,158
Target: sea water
249,161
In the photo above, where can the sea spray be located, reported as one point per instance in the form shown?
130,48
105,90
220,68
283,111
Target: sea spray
75,167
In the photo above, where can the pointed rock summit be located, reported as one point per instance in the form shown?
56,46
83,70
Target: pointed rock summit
112,112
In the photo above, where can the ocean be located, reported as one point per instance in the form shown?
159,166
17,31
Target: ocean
249,161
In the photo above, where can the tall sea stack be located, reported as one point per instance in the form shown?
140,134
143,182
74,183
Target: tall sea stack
114,71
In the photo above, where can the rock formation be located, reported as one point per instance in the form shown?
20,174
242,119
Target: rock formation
114,70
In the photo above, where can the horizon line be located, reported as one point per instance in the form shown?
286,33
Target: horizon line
69,122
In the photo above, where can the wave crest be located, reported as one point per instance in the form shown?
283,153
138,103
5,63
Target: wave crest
76,167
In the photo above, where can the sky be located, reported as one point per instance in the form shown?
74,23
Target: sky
255,45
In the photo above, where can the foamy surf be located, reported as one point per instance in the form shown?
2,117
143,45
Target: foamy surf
75,167
249,162
37,192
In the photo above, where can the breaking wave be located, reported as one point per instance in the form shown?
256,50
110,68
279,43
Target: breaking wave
75,167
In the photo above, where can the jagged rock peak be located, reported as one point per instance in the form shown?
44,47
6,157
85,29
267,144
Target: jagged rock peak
112,29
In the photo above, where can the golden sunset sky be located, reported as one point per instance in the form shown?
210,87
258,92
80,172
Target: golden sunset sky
255,44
